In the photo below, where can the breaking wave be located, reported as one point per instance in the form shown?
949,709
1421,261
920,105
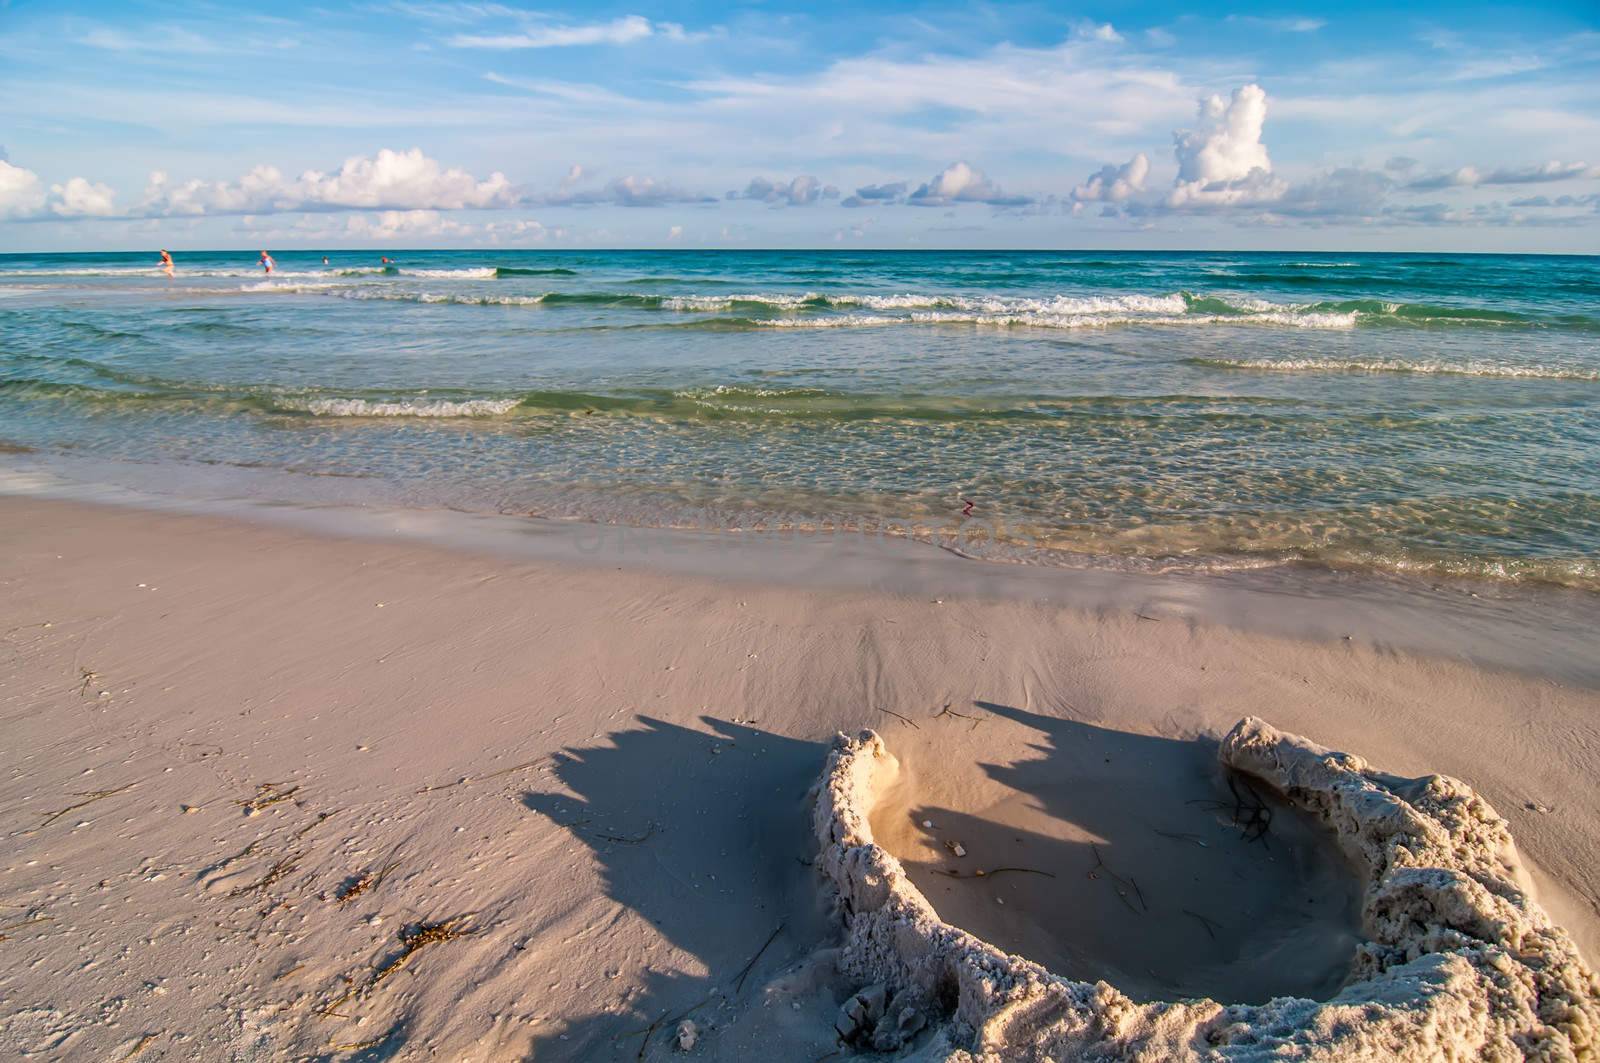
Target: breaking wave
1394,365
855,310
410,408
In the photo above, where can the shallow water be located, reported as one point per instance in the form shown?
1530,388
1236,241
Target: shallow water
1427,414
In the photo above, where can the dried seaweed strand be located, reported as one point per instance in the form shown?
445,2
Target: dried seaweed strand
738,983
1101,865
468,780
412,941
367,880
1210,924
897,716
20,923
274,873
89,798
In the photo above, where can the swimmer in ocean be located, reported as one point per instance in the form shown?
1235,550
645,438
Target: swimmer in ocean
166,262
267,264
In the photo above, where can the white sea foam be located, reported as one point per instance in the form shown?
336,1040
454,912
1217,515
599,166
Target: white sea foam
1395,365
475,274
726,302
291,287
842,321
1295,319
438,408
910,308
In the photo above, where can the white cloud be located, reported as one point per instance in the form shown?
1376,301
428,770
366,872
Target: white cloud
20,191
23,196
1471,176
1101,31
79,197
625,30
961,183
630,191
1590,200
803,191
391,180
389,224
956,184
1115,183
1465,177
1224,162
876,195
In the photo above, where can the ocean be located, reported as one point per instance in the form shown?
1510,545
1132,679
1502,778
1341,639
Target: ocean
1424,415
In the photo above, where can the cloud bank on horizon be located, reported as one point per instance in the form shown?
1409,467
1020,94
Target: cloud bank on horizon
432,121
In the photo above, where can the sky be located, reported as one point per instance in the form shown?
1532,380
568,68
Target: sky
454,123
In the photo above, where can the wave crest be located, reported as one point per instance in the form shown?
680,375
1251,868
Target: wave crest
407,408
1395,365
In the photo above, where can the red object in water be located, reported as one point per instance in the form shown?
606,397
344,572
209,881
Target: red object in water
968,511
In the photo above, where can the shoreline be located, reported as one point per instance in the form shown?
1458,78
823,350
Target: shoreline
590,780
1538,630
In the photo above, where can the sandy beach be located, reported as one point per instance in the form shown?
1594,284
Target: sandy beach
276,792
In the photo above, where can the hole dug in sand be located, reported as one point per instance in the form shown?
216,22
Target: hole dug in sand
1126,858
1455,959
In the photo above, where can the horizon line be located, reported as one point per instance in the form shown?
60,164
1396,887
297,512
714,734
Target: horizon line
255,248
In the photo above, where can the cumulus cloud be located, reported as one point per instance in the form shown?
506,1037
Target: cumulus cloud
1471,176
391,180
1097,31
79,197
625,30
961,183
956,184
1115,183
389,224
1465,177
23,196
630,191
20,191
1224,162
876,195
803,191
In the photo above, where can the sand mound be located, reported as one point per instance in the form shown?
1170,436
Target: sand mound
1462,963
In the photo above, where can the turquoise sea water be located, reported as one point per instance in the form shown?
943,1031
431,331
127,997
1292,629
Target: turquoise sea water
1415,413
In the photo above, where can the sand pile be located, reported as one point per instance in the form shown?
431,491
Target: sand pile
1460,961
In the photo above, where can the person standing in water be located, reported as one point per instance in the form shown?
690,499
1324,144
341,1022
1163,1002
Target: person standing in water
166,262
266,262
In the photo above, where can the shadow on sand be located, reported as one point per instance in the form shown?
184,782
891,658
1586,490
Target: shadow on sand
705,833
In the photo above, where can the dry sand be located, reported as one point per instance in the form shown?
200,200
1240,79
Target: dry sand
272,794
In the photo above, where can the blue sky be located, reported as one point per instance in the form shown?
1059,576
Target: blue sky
438,123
